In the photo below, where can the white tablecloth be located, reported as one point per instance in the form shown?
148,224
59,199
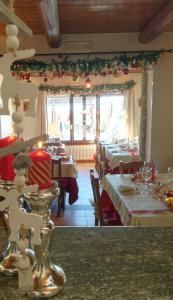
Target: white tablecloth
114,155
68,168
142,209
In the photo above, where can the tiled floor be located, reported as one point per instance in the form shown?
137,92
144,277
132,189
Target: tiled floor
81,212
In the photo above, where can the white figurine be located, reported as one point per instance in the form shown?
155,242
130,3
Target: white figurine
23,264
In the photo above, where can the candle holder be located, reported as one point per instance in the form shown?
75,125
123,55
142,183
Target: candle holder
49,279
10,254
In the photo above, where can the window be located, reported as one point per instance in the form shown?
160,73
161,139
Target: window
112,117
58,117
5,126
84,118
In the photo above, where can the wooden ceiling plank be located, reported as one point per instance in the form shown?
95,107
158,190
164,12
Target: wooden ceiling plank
8,16
50,20
157,25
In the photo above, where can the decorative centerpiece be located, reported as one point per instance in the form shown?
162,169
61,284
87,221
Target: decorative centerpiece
49,279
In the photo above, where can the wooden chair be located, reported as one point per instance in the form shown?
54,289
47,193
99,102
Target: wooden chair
103,217
61,197
96,194
130,167
102,163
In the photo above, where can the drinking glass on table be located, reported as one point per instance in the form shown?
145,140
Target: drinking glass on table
170,173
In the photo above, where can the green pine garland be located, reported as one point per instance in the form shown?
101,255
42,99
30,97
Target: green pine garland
85,67
95,89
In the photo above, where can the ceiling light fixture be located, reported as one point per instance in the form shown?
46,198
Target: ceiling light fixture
88,83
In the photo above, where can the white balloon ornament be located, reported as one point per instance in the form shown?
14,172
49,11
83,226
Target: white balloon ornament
19,181
12,43
11,29
17,117
17,128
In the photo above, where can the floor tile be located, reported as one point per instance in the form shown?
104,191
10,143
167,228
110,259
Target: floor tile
81,212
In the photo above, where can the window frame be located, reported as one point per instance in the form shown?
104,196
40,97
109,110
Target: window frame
71,113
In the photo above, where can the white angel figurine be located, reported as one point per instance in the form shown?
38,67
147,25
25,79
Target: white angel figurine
23,264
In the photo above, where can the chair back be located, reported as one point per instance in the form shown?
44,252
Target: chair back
130,167
56,162
94,177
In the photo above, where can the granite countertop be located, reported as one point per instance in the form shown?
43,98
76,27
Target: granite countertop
108,264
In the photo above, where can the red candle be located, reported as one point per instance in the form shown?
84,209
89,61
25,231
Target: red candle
6,163
8,140
40,170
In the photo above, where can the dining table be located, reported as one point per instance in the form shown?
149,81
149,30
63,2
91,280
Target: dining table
115,153
68,177
139,207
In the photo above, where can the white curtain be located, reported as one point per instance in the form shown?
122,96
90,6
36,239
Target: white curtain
42,112
131,111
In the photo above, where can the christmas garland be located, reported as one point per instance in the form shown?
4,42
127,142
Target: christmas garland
95,89
85,67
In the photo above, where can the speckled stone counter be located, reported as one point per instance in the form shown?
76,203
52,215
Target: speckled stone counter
109,264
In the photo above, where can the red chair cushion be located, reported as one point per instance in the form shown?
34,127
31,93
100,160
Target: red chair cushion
105,201
111,217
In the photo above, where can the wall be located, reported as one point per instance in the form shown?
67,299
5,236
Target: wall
99,42
162,123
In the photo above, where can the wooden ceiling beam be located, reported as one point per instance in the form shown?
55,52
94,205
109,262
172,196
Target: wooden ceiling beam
50,20
8,16
157,25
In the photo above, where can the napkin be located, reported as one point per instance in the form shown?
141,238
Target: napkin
127,190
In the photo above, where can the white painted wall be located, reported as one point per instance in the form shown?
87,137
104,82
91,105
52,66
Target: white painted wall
162,124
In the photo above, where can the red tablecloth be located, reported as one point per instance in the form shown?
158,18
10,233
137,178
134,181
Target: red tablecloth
69,184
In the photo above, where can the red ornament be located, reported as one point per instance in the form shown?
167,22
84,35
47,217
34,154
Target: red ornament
28,76
134,66
40,170
103,74
13,74
22,76
45,79
125,71
6,167
110,72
